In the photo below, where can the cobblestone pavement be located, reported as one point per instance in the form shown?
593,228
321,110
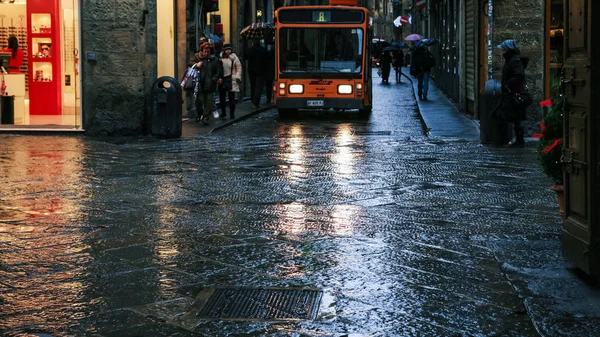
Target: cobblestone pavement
405,234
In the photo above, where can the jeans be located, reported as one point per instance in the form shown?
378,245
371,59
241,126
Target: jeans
423,85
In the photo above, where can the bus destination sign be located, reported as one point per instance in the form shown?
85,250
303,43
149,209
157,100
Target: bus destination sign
320,16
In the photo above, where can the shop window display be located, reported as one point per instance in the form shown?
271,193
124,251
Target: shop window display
47,38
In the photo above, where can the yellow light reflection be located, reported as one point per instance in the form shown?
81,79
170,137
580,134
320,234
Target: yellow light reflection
294,153
343,218
344,158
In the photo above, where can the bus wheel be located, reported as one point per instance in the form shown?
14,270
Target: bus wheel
366,111
286,113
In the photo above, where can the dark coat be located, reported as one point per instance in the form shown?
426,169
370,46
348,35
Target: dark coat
398,58
257,57
513,80
385,60
513,73
422,60
209,73
270,73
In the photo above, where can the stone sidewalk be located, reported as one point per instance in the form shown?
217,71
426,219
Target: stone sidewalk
243,110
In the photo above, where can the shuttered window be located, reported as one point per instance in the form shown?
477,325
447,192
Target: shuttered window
470,48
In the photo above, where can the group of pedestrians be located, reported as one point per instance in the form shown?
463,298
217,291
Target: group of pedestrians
222,72
508,109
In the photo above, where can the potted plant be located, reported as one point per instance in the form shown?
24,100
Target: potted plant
549,147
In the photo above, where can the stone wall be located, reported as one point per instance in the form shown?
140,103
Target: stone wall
522,21
116,88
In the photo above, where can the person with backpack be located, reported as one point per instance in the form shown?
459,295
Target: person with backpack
422,61
510,108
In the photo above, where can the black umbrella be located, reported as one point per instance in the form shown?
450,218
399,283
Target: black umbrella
391,48
258,30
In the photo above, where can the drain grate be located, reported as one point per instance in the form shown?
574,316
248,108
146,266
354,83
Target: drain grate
262,303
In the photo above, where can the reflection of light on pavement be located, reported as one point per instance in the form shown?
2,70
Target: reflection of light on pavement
165,231
297,218
42,201
343,219
294,153
343,158
293,218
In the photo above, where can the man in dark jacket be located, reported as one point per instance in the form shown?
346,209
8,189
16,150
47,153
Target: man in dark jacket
513,81
210,73
420,66
257,57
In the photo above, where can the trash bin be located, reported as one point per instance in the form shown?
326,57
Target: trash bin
491,130
166,107
7,110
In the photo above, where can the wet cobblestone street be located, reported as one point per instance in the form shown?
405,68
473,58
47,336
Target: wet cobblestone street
405,234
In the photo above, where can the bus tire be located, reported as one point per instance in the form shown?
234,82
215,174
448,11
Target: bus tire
366,111
286,113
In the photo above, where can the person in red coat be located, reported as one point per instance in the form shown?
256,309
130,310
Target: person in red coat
16,55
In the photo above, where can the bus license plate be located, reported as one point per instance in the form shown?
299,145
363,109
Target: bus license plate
315,102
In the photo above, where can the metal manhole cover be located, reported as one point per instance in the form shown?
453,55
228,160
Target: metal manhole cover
260,303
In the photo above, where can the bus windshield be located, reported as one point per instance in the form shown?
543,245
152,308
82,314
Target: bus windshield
321,49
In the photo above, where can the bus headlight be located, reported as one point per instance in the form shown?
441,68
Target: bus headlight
359,88
281,89
344,89
296,88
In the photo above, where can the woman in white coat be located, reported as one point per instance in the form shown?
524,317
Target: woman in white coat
232,78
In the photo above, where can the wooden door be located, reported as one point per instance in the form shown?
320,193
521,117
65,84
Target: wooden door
580,233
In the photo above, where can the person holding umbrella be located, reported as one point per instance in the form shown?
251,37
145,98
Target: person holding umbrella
386,65
257,57
397,63
420,65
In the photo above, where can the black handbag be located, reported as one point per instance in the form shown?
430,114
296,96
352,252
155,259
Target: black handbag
227,83
521,99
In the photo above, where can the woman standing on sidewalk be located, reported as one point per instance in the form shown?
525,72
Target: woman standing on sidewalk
232,77
513,81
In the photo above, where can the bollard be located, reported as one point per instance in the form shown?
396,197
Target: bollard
166,107
491,130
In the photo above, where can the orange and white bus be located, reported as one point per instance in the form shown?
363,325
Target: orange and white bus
323,58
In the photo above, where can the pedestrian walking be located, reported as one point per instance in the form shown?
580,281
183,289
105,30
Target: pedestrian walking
398,62
270,74
210,74
386,65
232,77
513,84
420,66
257,68
192,94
